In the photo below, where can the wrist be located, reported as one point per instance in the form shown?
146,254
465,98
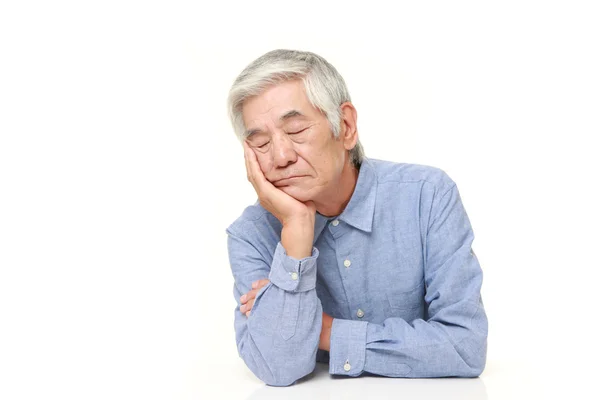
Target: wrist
325,339
297,238
299,219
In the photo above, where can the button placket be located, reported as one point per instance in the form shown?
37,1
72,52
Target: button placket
344,255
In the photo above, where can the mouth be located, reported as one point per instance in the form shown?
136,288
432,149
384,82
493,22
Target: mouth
287,181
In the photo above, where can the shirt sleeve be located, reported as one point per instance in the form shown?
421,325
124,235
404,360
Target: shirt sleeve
279,340
453,339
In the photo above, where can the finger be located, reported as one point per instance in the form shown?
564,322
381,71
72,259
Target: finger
260,283
247,306
249,171
248,298
257,285
249,157
256,174
250,295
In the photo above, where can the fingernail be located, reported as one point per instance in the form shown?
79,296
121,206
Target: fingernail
243,298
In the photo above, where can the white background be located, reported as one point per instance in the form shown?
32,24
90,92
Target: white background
119,173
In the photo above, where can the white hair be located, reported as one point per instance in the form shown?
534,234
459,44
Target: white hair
324,86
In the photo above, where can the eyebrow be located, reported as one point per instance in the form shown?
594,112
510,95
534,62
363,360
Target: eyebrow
284,117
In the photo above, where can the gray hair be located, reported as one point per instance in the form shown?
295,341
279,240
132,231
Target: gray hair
325,88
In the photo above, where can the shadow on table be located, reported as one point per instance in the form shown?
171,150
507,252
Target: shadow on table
320,385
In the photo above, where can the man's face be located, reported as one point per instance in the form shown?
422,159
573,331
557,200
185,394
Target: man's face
293,142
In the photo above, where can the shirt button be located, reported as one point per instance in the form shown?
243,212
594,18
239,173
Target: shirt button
347,366
360,313
294,276
335,222
347,263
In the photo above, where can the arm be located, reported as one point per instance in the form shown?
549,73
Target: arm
453,340
279,340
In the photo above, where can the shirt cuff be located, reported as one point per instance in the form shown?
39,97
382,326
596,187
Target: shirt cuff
347,346
291,274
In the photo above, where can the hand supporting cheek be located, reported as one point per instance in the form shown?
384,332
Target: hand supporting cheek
283,206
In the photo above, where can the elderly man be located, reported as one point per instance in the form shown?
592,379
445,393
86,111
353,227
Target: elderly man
362,263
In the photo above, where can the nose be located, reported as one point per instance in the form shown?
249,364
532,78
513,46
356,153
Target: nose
283,151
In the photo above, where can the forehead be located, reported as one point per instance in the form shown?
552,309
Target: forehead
276,101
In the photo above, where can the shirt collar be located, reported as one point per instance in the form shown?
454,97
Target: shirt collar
360,209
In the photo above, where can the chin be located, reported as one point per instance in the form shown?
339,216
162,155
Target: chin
296,192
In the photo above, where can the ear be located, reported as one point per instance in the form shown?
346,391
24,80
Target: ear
348,131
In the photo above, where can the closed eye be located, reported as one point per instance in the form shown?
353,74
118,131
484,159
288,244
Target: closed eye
294,133
263,145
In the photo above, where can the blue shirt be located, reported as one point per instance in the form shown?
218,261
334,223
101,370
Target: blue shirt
395,270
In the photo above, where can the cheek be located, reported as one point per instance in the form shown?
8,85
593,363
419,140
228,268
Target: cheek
265,162
327,162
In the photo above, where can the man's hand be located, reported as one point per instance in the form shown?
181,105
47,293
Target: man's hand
283,206
247,300
296,217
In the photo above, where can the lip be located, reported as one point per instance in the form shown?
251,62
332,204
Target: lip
285,181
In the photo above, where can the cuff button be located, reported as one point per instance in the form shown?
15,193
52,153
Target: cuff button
347,366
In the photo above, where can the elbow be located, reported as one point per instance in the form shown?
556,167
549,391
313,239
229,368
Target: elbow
473,349
479,358
476,367
276,356
473,354
277,370
281,376
279,382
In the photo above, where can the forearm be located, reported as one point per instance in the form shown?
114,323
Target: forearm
279,340
428,348
439,347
